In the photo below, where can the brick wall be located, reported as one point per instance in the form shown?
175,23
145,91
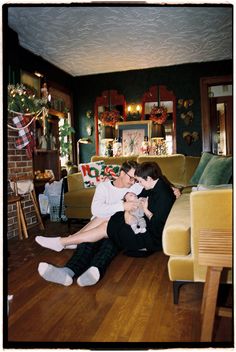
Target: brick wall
18,164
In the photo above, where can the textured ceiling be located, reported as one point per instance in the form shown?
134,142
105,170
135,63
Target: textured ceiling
92,39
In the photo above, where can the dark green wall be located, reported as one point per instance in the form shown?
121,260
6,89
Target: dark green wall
183,80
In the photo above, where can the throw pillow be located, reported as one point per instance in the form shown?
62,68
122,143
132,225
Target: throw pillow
205,158
91,173
218,171
110,171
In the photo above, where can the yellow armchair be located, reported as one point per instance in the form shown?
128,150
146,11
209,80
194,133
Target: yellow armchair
190,213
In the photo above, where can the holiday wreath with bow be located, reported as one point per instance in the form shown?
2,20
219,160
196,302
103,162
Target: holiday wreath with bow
158,114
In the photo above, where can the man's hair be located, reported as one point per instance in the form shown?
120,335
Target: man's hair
128,165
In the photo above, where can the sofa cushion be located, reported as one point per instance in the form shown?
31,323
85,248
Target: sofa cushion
191,164
218,171
91,173
172,166
205,158
112,160
79,199
181,268
176,233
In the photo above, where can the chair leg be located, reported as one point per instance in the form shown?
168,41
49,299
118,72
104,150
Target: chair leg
18,206
23,222
176,288
34,200
209,303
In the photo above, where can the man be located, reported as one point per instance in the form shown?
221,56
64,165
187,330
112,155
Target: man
90,260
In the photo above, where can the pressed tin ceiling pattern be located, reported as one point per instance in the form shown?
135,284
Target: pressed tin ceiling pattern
91,40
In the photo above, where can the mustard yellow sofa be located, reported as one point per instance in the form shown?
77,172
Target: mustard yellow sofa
177,168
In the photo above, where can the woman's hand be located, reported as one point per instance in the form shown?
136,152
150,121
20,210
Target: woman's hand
144,203
148,213
177,192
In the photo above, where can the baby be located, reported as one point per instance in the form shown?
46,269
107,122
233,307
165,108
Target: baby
137,221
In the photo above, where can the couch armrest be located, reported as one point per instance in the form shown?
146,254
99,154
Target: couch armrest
176,233
75,182
210,209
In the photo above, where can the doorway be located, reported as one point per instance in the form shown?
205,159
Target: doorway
217,114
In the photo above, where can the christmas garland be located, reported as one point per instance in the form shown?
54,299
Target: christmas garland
24,108
22,99
158,114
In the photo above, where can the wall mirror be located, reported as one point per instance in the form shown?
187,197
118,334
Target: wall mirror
161,102
109,108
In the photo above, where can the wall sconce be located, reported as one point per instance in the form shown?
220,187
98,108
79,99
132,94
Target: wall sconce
134,109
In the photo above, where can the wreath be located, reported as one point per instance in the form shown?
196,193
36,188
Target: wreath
158,114
109,118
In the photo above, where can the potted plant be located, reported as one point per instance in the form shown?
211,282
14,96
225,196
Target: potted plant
65,132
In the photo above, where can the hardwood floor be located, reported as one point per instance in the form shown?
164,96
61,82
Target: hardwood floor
132,304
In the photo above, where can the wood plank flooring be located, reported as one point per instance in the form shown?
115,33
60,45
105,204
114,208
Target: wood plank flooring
132,304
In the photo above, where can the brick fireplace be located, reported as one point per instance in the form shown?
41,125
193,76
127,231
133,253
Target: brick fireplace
18,164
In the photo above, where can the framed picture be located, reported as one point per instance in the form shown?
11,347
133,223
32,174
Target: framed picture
132,135
30,80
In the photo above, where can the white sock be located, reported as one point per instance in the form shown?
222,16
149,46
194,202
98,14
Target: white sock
54,274
70,246
50,242
89,277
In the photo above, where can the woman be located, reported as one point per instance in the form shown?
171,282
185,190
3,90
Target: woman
160,198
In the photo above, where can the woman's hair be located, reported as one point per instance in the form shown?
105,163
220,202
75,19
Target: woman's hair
151,169
128,165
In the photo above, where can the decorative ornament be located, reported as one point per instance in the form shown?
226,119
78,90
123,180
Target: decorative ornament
117,148
185,103
187,117
88,114
159,146
158,114
145,147
190,137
